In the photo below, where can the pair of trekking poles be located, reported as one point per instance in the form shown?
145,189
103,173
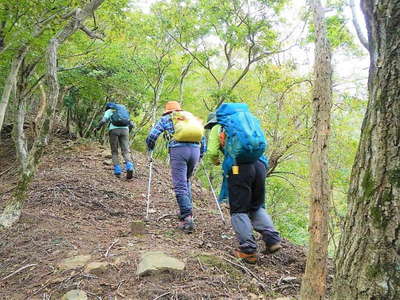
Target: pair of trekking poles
149,189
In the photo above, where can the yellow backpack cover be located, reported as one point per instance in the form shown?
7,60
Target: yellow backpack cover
188,128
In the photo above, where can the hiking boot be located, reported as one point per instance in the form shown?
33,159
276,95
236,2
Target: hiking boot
129,170
186,225
272,249
117,170
249,258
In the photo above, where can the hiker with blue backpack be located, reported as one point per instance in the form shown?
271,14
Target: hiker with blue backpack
119,127
186,145
238,135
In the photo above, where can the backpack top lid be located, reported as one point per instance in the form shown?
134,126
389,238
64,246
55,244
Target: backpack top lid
227,109
119,106
187,127
120,116
110,105
245,139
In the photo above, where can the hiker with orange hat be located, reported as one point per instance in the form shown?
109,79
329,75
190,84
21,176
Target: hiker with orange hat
186,145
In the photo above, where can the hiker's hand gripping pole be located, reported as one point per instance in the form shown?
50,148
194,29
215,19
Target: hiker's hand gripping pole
213,192
149,184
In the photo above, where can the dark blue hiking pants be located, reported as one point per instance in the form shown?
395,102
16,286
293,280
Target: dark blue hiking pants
183,160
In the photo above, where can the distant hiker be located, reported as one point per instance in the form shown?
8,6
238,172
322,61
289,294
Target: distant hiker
120,125
186,147
238,135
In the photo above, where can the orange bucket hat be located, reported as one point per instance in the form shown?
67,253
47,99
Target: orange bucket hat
171,106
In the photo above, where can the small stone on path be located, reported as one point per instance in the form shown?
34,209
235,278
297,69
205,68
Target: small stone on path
157,262
75,295
74,262
96,267
108,162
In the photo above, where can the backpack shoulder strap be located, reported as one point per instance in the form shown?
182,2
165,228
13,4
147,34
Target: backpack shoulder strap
166,134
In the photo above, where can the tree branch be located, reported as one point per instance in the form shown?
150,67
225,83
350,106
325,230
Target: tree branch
91,34
197,59
357,27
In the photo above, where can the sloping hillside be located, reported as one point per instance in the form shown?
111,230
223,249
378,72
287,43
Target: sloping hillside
77,208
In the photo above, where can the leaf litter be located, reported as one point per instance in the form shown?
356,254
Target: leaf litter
77,207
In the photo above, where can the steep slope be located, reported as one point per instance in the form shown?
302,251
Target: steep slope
77,207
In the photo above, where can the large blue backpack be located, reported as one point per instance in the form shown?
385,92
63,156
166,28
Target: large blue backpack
245,140
120,116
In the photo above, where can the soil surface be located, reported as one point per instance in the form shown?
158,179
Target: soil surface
76,206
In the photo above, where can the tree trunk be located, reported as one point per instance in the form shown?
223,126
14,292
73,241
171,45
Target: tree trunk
368,257
20,138
11,81
13,208
41,109
357,26
89,127
184,73
314,280
15,65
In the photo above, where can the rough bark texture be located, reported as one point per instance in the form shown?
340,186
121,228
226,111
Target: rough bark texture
314,280
11,81
368,258
13,208
15,65
41,109
19,135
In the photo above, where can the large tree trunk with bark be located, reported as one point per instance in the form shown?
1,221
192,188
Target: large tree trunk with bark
368,257
41,109
11,81
15,65
314,279
13,208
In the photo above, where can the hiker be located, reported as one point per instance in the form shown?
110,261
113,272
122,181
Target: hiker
119,127
186,146
232,128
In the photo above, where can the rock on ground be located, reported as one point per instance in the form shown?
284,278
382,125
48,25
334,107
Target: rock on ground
74,262
157,261
75,295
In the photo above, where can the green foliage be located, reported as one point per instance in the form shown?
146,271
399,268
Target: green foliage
194,52
225,95
288,208
338,34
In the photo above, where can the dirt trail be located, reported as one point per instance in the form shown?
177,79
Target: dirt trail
77,207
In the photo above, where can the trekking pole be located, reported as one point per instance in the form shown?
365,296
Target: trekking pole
149,185
213,192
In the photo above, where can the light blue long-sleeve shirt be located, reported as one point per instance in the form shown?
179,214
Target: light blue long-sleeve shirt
106,117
